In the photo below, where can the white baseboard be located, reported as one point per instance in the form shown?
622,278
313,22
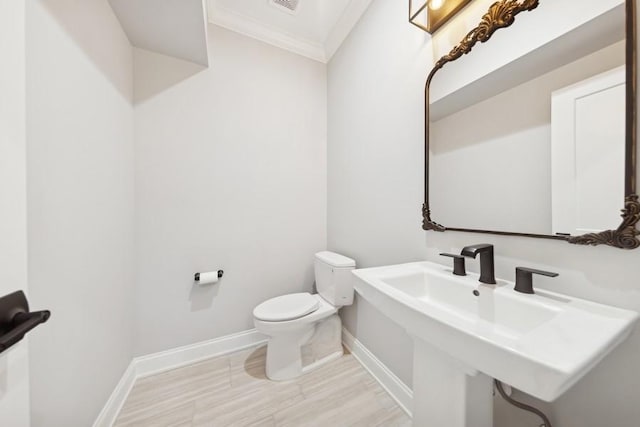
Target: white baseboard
112,408
175,358
387,379
156,363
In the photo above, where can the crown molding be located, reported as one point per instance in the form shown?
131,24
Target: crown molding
345,24
250,27
317,51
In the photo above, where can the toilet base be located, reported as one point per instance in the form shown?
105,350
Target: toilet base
293,354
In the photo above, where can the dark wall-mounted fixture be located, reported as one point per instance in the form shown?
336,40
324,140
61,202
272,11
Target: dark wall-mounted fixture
16,320
430,15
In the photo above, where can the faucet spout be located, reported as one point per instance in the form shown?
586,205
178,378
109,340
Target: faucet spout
487,265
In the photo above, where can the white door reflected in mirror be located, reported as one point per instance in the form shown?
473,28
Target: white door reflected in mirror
587,145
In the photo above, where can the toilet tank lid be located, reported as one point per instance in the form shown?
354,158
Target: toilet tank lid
335,260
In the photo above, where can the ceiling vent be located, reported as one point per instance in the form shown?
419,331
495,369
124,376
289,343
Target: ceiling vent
289,6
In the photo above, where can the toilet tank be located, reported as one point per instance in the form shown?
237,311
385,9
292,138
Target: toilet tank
334,280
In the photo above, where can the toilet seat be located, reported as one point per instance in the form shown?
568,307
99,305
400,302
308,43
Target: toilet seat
286,307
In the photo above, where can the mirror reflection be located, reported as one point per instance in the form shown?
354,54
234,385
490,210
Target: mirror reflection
540,148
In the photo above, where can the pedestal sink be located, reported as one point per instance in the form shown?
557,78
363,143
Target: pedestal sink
541,344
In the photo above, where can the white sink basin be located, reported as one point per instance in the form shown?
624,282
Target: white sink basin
541,344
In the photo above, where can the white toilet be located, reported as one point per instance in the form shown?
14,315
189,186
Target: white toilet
305,330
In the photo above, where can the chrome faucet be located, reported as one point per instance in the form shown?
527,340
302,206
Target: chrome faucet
487,274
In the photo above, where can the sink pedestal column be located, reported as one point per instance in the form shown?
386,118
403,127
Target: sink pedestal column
447,392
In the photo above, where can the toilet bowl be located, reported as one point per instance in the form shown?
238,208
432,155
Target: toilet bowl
304,329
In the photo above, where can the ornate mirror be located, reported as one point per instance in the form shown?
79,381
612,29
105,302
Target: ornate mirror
534,134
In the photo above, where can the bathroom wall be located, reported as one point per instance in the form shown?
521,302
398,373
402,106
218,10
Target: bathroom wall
80,197
375,184
14,364
230,174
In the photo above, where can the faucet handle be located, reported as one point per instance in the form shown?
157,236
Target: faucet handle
458,264
524,278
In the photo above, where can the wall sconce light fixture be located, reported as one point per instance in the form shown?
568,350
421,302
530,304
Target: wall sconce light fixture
432,14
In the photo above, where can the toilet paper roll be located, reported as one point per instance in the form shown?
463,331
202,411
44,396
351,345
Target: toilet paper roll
208,277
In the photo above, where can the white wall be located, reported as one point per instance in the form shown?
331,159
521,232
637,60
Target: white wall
80,196
375,167
14,372
375,160
231,174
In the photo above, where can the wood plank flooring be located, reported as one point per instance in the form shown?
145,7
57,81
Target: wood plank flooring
234,391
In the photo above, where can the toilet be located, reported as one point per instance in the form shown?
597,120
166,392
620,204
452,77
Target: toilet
304,329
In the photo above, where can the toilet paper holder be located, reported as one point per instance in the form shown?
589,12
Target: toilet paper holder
16,320
196,276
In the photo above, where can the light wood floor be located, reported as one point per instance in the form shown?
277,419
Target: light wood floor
233,391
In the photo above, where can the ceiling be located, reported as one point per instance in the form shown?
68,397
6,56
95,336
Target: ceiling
171,27
316,29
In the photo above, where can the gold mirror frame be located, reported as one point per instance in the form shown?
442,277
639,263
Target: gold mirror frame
502,15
